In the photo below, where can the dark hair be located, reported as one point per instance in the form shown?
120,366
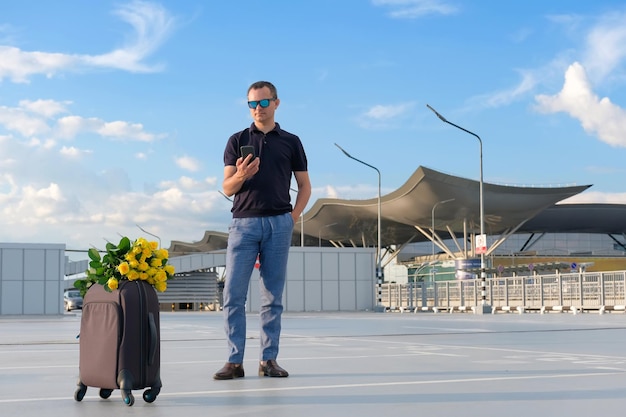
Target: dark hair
260,84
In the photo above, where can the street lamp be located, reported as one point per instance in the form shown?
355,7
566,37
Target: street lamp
301,222
379,269
225,196
302,229
482,209
432,270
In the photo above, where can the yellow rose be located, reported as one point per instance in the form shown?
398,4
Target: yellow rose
160,286
154,245
112,283
123,268
133,275
155,262
169,269
143,266
143,276
162,254
134,264
161,276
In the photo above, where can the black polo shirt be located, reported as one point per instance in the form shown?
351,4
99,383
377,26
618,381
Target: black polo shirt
281,154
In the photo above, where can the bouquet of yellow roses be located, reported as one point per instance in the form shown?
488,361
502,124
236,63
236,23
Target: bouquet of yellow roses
139,260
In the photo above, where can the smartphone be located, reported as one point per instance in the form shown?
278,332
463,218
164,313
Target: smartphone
247,150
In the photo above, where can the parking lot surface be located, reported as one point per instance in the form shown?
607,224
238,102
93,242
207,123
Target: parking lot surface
341,364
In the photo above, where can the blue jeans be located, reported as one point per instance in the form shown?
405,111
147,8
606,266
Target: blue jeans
270,238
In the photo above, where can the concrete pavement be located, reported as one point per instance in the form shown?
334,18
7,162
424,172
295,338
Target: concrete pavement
342,364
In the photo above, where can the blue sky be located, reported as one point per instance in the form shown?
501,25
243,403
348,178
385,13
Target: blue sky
114,115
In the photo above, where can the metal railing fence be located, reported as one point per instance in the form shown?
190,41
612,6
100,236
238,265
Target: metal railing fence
579,290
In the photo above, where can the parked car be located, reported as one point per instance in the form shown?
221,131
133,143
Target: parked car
72,300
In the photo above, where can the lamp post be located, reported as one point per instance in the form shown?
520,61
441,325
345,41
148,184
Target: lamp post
379,270
432,270
301,222
482,211
225,196
302,229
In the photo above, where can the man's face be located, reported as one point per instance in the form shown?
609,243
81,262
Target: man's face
263,114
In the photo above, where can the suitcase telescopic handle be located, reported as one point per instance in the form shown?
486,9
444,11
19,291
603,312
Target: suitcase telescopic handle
153,338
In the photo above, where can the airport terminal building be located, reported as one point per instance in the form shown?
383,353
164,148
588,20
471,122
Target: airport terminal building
430,226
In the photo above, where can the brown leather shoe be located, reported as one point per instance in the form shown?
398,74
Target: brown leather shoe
229,371
271,368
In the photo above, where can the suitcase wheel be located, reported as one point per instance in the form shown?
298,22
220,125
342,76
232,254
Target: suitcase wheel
105,393
79,394
150,394
128,398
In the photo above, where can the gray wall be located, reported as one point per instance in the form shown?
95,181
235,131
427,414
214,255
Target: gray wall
325,279
31,278
318,279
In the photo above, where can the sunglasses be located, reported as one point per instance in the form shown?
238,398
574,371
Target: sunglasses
263,103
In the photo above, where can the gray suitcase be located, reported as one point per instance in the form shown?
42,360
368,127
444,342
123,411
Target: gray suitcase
120,342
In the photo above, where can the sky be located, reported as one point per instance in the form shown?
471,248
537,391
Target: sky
114,115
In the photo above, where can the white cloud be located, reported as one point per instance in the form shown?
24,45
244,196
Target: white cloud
412,9
22,122
380,112
504,97
33,119
606,46
331,192
384,116
72,152
596,197
602,55
68,127
598,116
38,205
151,22
18,65
46,108
190,184
72,214
123,130
188,163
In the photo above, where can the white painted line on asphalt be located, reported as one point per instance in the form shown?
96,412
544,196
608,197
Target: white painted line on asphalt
340,386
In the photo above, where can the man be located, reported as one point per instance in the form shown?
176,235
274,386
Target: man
262,225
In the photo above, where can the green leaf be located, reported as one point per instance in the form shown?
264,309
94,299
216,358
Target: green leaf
82,286
124,245
93,253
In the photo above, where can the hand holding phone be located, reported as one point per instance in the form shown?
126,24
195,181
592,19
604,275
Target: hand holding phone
247,150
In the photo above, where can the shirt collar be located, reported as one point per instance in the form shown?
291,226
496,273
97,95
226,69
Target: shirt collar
276,128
